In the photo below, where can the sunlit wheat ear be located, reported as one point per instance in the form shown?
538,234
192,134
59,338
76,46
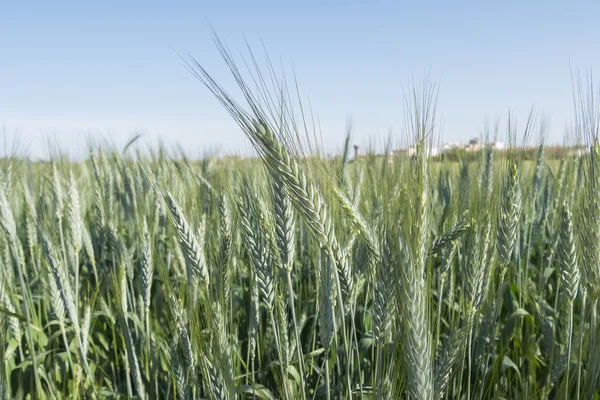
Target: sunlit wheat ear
5,178
99,213
147,271
133,359
359,223
222,350
95,167
57,190
305,197
192,250
258,247
7,220
488,176
447,257
180,373
510,216
32,216
13,323
282,326
254,317
225,227
120,249
55,299
75,221
566,255
89,251
284,224
215,386
452,234
61,281
326,316
85,330
183,337
485,260
590,218
122,286
413,309
384,298
225,232
448,355
566,258
7,223
474,270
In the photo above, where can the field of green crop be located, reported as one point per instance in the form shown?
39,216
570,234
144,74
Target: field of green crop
296,277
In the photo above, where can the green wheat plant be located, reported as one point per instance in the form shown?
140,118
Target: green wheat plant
289,274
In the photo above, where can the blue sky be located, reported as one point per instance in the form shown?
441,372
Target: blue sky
74,70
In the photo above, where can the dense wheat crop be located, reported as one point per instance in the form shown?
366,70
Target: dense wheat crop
294,277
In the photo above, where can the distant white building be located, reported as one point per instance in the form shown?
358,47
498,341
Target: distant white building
448,146
429,151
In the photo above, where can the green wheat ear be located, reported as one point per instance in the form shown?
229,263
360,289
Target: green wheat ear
566,255
510,215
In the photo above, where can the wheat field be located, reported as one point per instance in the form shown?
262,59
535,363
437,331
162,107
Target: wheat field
292,276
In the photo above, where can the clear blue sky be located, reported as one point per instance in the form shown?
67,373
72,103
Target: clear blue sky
73,69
